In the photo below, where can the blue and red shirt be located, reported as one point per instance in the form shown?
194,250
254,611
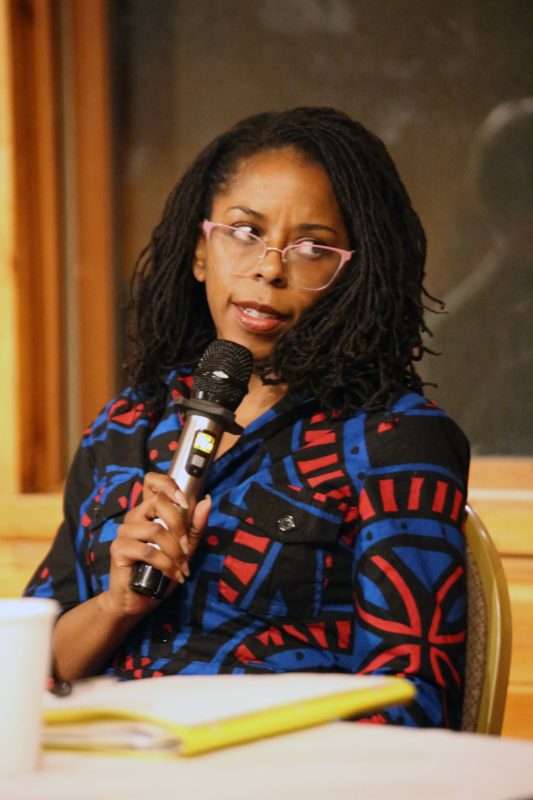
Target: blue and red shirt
333,544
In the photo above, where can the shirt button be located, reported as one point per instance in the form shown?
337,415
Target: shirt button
286,523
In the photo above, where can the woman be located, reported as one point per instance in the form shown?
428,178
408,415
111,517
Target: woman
330,536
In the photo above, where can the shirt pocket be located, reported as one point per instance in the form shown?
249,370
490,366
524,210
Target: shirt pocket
276,561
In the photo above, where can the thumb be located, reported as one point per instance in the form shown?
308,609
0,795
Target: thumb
198,523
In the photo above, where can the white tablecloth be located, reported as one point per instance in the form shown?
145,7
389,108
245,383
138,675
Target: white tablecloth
341,760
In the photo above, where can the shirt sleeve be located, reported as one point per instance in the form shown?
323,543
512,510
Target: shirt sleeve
62,575
409,580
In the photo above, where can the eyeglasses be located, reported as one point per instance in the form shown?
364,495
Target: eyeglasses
309,266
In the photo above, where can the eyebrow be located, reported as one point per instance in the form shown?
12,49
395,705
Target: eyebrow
306,226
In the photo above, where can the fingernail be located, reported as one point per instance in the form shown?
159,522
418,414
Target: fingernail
180,500
179,577
184,544
185,569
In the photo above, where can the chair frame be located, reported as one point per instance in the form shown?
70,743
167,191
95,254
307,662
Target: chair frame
499,624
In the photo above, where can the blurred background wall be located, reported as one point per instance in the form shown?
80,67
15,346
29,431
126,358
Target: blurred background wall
427,77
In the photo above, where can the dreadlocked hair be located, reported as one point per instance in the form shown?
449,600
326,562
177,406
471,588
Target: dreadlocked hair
357,345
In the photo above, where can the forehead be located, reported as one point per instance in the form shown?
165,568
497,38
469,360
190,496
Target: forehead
284,175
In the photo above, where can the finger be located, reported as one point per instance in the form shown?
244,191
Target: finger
199,522
145,510
159,483
172,517
158,536
127,552
158,506
144,531
177,549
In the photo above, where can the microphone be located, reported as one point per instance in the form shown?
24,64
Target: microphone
219,385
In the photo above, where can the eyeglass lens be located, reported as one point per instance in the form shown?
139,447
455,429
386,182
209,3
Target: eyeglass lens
308,266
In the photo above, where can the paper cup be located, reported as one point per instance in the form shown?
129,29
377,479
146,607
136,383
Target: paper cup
25,645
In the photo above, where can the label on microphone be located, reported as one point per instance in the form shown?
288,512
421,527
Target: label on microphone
204,441
202,449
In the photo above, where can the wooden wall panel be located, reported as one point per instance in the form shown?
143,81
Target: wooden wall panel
33,160
519,573
502,494
19,559
91,110
518,719
36,230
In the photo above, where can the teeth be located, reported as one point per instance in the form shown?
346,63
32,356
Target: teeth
253,312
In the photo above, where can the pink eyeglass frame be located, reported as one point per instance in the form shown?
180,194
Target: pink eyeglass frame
208,225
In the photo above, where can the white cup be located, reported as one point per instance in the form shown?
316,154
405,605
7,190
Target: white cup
25,645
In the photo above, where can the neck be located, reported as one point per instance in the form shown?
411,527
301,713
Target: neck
259,399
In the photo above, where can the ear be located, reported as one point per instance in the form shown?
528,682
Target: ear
200,255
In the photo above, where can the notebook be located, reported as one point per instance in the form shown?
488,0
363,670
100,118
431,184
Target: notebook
188,715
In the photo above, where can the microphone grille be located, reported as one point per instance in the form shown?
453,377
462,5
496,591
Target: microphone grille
223,374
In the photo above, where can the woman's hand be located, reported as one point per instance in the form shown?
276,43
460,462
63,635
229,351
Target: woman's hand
86,637
176,540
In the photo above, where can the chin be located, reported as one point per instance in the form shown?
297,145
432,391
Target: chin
260,350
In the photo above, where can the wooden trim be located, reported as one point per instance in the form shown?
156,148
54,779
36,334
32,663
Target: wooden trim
37,243
509,524
30,516
87,32
9,419
496,472
501,492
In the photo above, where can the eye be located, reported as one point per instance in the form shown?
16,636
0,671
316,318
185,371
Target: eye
243,233
309,249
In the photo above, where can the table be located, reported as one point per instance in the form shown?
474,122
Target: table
339,760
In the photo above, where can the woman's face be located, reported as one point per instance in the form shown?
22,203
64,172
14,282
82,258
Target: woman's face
284,198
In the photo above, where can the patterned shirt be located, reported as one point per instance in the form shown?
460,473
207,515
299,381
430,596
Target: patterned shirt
333,544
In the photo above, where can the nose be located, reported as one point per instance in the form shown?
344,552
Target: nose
271,268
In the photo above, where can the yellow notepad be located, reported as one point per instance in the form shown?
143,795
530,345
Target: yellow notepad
189,715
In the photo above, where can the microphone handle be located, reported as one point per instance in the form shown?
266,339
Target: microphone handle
205,422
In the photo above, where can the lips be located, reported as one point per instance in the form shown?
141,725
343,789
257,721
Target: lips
258,318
